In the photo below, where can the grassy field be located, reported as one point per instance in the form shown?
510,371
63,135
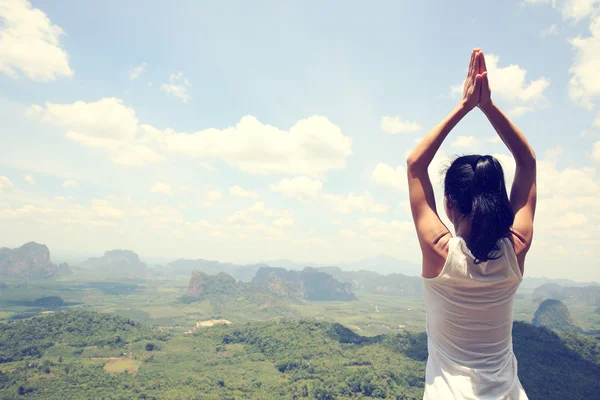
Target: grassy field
116,366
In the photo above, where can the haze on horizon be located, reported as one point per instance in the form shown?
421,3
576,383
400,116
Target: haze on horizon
280,131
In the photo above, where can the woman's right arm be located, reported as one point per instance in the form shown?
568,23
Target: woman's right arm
523,192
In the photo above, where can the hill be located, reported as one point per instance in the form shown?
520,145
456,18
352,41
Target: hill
30,261
269,284
535,282
589,295
384,265
555,315
311,283
243,273
118,262
373,282
88,355
202,285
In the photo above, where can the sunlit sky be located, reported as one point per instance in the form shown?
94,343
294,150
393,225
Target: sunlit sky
248,131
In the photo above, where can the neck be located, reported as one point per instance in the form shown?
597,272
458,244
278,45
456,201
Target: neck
463,227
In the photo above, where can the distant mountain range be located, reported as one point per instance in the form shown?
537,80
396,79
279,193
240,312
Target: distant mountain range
243,273
534,282
279,283
589,295
30,261
380,264
311,283
382,274
372,282
119,262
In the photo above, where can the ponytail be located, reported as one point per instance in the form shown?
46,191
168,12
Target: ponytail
476,186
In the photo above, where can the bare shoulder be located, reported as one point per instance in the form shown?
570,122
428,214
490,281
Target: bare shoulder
435,254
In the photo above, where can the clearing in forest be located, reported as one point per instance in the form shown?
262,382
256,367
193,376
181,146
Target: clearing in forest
118,366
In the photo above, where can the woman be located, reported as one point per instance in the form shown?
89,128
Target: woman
470,280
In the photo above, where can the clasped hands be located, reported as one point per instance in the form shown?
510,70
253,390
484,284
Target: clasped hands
476,91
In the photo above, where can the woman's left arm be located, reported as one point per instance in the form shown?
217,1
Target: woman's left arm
430,229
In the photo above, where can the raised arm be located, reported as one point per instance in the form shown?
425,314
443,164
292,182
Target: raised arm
432,233
523,192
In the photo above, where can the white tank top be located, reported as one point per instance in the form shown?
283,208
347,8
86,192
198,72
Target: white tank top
469,326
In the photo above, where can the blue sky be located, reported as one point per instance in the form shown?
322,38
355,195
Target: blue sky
135,107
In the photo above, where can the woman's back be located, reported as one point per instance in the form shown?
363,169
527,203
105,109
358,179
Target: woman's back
469,326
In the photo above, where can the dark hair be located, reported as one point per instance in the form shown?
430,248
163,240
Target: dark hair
475,185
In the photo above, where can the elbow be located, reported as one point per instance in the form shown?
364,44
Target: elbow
528,159
410,161
414,164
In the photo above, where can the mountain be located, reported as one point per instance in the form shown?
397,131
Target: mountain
274,283
243,273
535,282
384,265
372,282
381,264
202,285
554,314
30,261
589,295
287,264
120,262
311,283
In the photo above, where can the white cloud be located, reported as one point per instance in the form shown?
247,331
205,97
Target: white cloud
584,85
69,183
284,222
347,233
378,229
385,175
337,222
29,43
162,188
311,241
136,72
301,188
105,124
162,217
596,152
569,9
494,139
350,203
59,198
211,197
553,153
257,210
519,111
257,220
103,208
5,184
552,30
570,220
178,86
100,123
311,147
379,208
239,192
29,179
464,143
509,83
394,125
